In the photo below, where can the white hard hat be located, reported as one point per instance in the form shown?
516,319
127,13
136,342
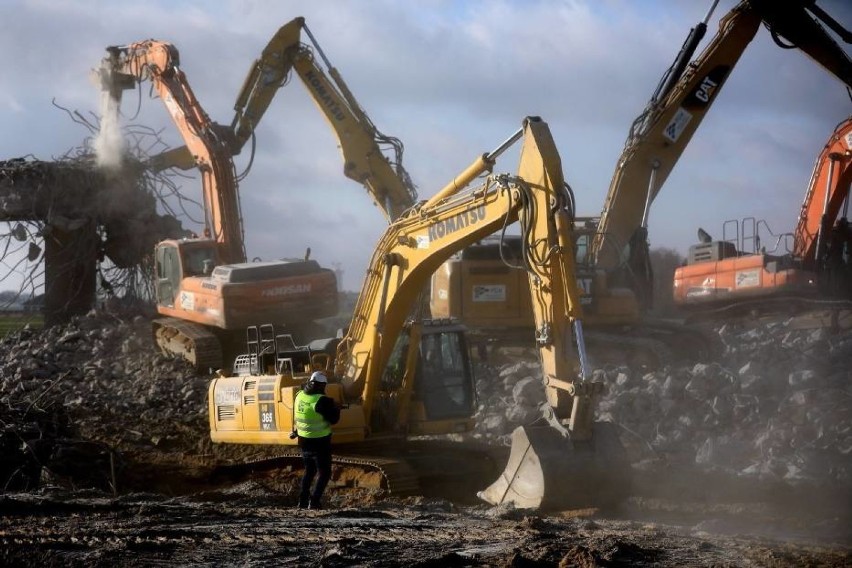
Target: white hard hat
319,377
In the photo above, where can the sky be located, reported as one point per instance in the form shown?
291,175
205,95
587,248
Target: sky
450,78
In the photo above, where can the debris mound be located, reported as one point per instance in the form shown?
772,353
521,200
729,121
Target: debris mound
775,407
78,400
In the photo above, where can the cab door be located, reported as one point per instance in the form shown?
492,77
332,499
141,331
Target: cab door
168,274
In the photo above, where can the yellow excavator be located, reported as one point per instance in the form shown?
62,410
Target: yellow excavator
206,291
396,376
479,285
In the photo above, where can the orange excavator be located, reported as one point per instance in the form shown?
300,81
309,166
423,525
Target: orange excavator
206,291
818,265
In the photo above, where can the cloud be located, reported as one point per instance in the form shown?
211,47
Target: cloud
452,80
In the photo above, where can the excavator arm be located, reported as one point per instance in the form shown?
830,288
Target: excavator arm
362,145
662,132
415,246
828,190
206,142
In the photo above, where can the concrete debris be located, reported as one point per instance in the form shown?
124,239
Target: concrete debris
95,393
777,406
94,387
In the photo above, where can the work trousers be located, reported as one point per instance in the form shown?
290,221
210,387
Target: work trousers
316,453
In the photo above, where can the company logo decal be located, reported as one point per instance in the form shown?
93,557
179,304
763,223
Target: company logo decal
286,290
460,221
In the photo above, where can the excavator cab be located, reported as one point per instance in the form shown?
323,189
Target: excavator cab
176,260
445,388
429,390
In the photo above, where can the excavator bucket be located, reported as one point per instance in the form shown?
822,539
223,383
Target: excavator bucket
550,472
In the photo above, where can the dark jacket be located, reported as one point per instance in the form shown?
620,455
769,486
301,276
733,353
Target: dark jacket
326,407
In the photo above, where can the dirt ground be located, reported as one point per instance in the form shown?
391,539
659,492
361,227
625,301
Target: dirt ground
92,405
253,522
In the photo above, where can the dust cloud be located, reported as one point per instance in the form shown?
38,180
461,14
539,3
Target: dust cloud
109,143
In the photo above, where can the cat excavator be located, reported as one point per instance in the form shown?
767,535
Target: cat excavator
396,375
720,277
684,96
479,287
206,291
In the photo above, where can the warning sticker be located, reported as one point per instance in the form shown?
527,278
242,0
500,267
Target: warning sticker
748,278
187,301
676,125
489,293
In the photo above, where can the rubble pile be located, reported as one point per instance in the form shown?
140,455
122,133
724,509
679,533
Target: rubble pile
77,399
777,406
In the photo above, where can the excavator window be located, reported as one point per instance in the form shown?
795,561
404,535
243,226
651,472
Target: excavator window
198,261
445,385
395,370
582,243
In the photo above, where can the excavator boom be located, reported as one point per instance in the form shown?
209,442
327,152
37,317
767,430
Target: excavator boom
158,62
662,132
362,145
827,191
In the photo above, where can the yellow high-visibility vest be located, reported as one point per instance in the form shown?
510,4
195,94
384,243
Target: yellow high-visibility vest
309,422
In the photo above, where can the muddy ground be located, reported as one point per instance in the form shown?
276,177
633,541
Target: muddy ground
251,524
126,475
180,510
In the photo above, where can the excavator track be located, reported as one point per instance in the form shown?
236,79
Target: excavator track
189,341
365,472
431,467
832,313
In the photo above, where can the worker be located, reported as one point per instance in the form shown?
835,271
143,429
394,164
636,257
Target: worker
315,413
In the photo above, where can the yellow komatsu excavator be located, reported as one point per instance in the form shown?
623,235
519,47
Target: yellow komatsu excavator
396,376
479,287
